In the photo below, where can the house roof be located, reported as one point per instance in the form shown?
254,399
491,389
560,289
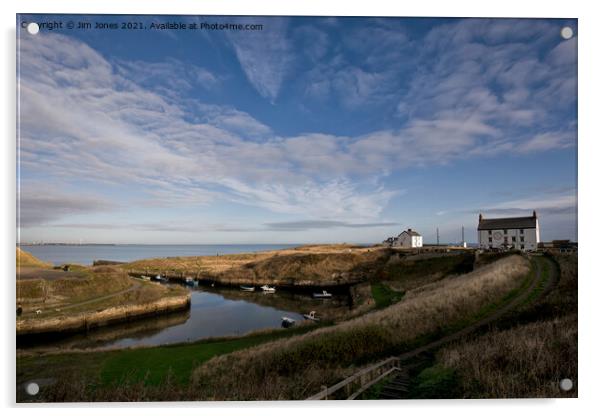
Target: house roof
411,232
506,223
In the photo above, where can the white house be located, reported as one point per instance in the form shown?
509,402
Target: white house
521,233
407,239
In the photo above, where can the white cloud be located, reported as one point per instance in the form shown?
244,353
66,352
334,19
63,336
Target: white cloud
265,56
84,118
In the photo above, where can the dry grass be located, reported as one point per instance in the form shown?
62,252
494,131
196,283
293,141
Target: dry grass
296,367
305,262
72,288
25,259
530,352
526,361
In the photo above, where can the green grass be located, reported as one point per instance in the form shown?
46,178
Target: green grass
435,382
151,365
418,269
385,296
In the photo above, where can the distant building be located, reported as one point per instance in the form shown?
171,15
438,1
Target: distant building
520,233
407,239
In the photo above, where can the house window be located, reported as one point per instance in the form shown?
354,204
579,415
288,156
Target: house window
505,231
514,239
489,232
490,246
505,240
522,231
490,239
522,246
522,239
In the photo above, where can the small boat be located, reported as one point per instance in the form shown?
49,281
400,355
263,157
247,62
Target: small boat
268,289
157,278
323,295
147,278
191,282
311,316
247,288
287,322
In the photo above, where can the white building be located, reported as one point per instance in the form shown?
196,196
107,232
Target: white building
407,239
521,233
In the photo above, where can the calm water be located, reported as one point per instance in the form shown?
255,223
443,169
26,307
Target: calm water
86,254
213,313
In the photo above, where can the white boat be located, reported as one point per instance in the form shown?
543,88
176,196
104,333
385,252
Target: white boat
287,322
248,288
191,282
323,295
268,289
157,278
311,316
145,278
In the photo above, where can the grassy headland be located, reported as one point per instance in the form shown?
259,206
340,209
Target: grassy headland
310,266
56,300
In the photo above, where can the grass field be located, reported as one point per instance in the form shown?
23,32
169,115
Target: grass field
525,354
149,366
384,296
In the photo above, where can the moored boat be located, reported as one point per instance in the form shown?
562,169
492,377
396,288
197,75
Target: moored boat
311,316
323,295
247,288
268,289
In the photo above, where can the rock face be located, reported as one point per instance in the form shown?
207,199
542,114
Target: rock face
108,316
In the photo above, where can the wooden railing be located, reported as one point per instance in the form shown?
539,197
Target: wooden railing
359,382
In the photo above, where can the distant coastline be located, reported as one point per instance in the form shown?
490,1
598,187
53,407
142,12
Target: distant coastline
65,244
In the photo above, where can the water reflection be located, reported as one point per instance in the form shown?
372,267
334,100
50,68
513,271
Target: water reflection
213,313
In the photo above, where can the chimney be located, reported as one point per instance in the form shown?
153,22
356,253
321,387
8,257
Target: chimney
480,217
409,229
534,214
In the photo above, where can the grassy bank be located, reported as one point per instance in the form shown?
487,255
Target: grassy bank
296,367
527,353
52,300
103,372
310,266
384,296
25,259
406,272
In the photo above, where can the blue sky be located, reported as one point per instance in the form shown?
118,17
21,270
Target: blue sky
310,130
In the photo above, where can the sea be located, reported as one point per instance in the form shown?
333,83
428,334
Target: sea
85,254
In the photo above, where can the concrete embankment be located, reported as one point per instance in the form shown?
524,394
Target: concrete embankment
87,320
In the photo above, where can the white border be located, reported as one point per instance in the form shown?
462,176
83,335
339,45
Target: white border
590,68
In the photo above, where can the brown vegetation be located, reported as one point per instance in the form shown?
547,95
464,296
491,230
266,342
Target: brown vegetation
296,367
529,353
25,259
56,300
327,265
526,361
